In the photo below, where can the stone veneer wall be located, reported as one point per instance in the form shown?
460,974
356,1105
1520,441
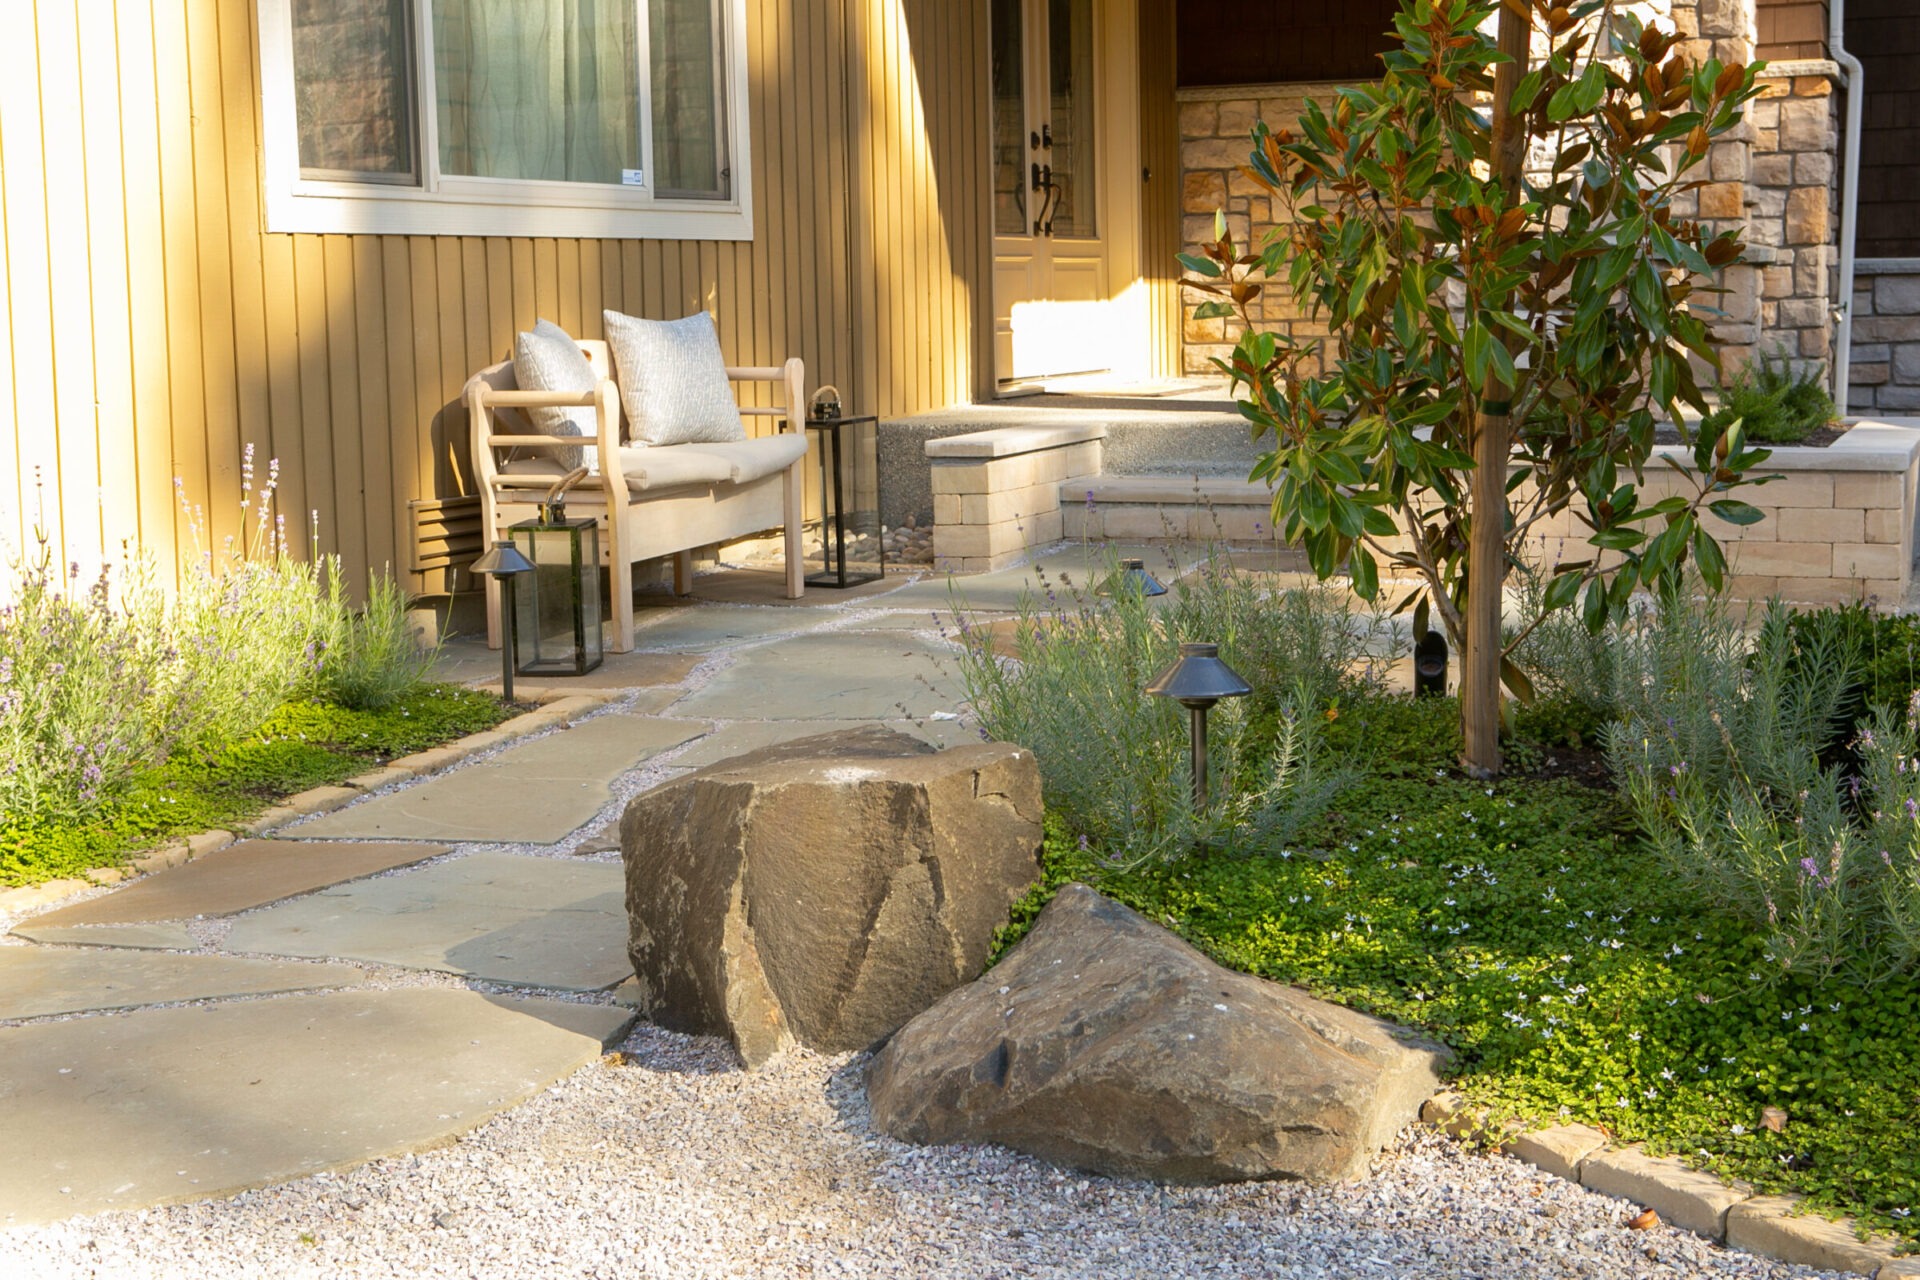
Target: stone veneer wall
1773,177
1886,338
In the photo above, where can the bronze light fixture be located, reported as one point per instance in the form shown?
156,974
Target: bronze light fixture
1196,680
506,563
1133,576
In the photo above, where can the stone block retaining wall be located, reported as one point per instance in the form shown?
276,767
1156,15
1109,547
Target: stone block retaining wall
1839,521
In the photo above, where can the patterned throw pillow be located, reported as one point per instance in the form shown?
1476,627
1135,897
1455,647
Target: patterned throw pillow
673,380
547,359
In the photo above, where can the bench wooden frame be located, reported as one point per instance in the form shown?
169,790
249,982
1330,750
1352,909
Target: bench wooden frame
633,526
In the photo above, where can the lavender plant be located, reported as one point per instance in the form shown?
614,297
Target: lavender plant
76,696
1718,755
1114,761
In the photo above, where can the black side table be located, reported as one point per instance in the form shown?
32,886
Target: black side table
849,500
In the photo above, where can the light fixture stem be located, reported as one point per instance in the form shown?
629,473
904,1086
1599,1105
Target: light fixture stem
506,650
1198,736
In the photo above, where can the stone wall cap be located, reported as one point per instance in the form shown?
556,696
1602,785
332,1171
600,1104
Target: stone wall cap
1878,444
1792,68
1008,442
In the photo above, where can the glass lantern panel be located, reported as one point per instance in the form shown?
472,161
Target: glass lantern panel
852,545
557,606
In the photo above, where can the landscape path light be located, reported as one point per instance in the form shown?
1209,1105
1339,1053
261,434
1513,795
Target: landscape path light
1196,680
1133,576
506,563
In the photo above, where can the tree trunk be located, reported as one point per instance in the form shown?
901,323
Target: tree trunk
1492,447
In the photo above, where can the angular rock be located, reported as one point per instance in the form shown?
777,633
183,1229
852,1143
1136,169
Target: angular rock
1104,1042
824,891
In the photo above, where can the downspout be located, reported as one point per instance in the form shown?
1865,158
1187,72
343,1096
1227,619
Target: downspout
1849,197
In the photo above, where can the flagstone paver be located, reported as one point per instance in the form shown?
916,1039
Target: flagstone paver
718,626
832,676
138,937
542,922
536,793
38,981
466,659
241,876
1061,567
163,1105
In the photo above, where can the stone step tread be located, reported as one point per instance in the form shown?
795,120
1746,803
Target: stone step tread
1171,490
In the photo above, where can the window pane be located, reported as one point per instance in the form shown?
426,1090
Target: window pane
543,90
689,125
1010,160
350,89
1070,44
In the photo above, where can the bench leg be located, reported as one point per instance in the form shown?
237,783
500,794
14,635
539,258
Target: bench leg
796,567
683,573
620,587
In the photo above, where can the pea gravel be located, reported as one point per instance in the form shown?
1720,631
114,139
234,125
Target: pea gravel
667,1160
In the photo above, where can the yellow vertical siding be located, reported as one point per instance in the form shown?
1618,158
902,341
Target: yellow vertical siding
154,329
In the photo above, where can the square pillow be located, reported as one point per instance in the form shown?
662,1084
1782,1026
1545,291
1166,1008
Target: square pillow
547,359
673,380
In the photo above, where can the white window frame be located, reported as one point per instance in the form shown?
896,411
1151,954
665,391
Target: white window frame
453,205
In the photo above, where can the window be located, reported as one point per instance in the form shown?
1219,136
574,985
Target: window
606,118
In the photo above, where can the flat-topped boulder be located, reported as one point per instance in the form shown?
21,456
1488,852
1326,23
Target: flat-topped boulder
1104,1042
825,890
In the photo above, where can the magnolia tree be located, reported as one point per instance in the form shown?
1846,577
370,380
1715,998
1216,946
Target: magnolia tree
1506,333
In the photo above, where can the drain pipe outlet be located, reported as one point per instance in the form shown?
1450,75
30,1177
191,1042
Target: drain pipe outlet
1849,198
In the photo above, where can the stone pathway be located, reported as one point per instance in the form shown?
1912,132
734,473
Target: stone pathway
385,976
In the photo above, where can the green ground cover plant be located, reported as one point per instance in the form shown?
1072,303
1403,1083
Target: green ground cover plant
143,705
303,744
1534,925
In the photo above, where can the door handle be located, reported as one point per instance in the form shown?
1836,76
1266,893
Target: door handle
1036,177
1043,221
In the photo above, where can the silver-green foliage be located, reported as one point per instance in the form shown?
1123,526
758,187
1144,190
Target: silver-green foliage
1717,749
1114,761
377,657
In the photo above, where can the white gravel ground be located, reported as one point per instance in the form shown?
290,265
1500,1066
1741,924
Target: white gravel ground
673,1162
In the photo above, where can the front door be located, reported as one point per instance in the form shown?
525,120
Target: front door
1050,246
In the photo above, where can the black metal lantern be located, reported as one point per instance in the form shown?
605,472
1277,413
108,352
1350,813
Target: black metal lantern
1133,576
557,608
852,550
505,565
1196,680
1430,666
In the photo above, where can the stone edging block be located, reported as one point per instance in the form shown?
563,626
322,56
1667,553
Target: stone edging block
556,711
1769,1226
1685,1197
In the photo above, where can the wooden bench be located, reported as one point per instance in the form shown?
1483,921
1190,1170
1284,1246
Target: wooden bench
651,500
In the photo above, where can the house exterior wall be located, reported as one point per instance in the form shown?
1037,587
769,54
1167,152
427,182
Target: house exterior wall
1886,340
1772,178
157,331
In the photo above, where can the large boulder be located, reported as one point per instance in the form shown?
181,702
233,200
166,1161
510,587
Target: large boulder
825,890
1103,1042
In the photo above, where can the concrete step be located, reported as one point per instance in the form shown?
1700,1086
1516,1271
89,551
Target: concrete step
1192,507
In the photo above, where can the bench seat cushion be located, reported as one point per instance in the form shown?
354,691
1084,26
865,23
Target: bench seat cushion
674,466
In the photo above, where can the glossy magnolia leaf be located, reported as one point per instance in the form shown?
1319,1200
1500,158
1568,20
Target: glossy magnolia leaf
1366,574
1213,310
1200,266
1709,559
1562,590
1733,511
1516,681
